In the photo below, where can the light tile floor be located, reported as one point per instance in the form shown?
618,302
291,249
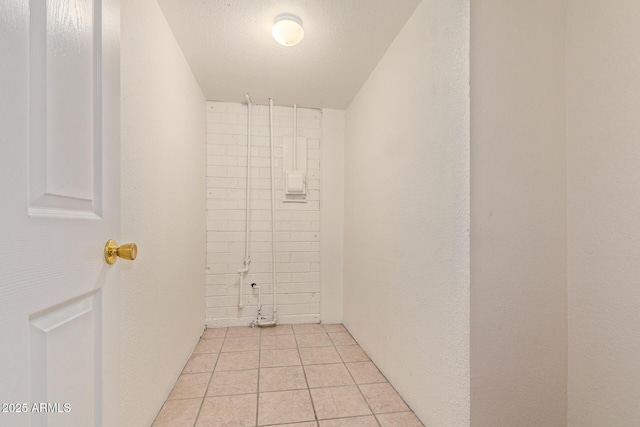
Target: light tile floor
296,376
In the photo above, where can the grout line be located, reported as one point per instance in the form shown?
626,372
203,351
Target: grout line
358,385
304,372
290,424
210,378
364,398
386,382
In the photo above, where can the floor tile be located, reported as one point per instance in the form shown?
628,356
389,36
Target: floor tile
365,373
233,382
277,330
214,333
202,362
339,402
284,407
328,375
277,341
314,340
190,385
308,329
240,344
383,398
226,411
274,358
342,338
284,378
237,360
368,421
399,419
243,331
298,376
338,327
178,413
319,355
209,345
352,353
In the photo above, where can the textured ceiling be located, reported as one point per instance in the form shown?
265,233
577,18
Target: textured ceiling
231,51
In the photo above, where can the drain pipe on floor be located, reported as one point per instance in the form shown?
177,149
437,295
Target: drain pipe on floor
274,318
247,258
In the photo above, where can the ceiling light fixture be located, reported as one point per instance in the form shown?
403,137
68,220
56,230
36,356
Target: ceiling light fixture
287,29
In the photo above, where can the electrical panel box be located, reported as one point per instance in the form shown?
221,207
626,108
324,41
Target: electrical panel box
295,182
295,169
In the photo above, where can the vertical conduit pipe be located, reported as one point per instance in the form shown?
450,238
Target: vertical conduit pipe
274,319
247,258
273,216
295,137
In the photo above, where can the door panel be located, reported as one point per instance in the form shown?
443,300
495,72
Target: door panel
65,113
63,343
59,203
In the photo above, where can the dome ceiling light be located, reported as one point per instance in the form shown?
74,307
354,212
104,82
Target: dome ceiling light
287,29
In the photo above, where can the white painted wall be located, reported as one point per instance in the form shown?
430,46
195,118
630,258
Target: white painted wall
163,211
518,220
603,153
406,282
332,216
297,224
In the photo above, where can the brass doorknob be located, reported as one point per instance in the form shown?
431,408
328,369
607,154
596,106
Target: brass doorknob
112,251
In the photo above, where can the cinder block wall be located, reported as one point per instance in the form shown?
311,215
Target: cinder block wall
297,224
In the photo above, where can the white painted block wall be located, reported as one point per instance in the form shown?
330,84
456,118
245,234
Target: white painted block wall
297,224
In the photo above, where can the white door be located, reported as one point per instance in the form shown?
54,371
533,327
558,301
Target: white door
59,203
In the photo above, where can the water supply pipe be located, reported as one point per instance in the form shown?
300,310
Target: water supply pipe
273,216
247,258
274,318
